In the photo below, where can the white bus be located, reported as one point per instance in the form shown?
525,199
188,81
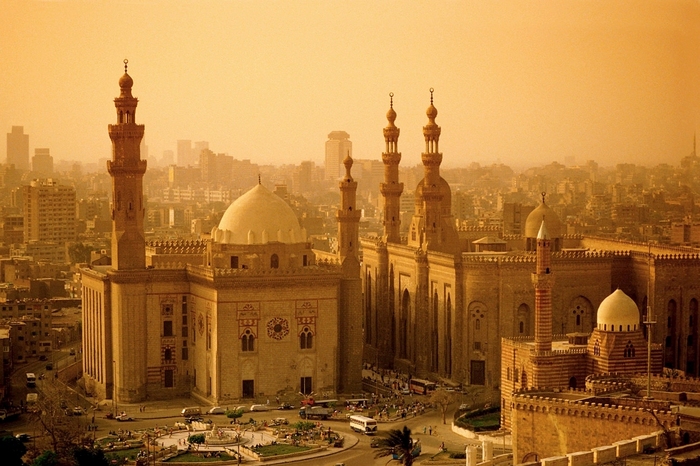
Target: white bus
364,424
31,379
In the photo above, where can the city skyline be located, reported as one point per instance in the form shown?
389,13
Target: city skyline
515,82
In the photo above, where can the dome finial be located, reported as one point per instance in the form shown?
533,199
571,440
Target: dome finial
126,63
391,100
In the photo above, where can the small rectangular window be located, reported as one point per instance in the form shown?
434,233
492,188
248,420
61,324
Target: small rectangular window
234,262
185,353
168,328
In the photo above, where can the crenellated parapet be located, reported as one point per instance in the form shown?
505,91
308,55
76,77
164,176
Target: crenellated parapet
552,405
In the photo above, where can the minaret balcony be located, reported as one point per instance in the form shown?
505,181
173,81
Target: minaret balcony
543,280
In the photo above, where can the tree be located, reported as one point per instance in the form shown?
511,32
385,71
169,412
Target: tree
12,451
79,253
234,413
442,399
196,440
398,442
63,432
90,457
47,458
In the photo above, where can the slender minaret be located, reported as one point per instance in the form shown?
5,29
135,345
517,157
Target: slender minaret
348,215
350,296
543,281
127,169
391,189
432,195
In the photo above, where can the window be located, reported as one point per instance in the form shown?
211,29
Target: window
168,328
248,341
248,388
522,327
185,353
168,378
629,350
306,339
234,262
274,261
305,260
168,354
306,386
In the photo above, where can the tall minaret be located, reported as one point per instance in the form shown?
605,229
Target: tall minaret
127,169
348,215
543,280
391,189
350,296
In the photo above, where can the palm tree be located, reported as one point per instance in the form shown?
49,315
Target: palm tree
398,442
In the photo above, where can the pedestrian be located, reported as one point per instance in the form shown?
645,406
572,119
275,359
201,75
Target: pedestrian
430,430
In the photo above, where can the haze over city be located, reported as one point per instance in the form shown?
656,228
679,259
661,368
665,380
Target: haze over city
518,82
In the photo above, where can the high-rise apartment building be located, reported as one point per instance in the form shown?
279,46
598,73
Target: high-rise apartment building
18,148
338,147
49,212
42,162
184,152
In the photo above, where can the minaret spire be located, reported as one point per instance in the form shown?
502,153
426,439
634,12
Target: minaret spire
348,215
543,280
391,189
127,170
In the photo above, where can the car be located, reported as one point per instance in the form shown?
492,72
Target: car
216,410
63,404
191,419
77,411
463,407
405,391
280,421
49,366
23,437
124,417
260,408
376,442
285,406
72,351
43,357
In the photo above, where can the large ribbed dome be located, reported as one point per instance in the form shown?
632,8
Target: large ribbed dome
618,313
534,222
257,217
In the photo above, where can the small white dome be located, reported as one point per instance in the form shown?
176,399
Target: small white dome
257,217
618,313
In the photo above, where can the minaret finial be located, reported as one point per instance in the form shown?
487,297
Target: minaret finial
126,62
391,100
431,95
259,182
543,196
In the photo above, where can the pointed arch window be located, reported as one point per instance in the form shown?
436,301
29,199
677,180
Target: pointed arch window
629,350
248,341
306,339
274,261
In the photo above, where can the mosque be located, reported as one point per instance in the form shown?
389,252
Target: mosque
438,302
253,312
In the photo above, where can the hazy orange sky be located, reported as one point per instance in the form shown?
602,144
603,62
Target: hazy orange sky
523,82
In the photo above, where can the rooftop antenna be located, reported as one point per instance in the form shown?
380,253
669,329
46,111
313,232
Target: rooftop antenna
649,321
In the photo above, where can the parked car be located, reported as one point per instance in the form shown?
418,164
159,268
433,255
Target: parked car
49,366
72,351
124,417
216,410
260,408
191,419
43,357
77,411
23,437
286,406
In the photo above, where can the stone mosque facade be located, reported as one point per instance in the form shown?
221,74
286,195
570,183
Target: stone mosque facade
252,312
434,308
